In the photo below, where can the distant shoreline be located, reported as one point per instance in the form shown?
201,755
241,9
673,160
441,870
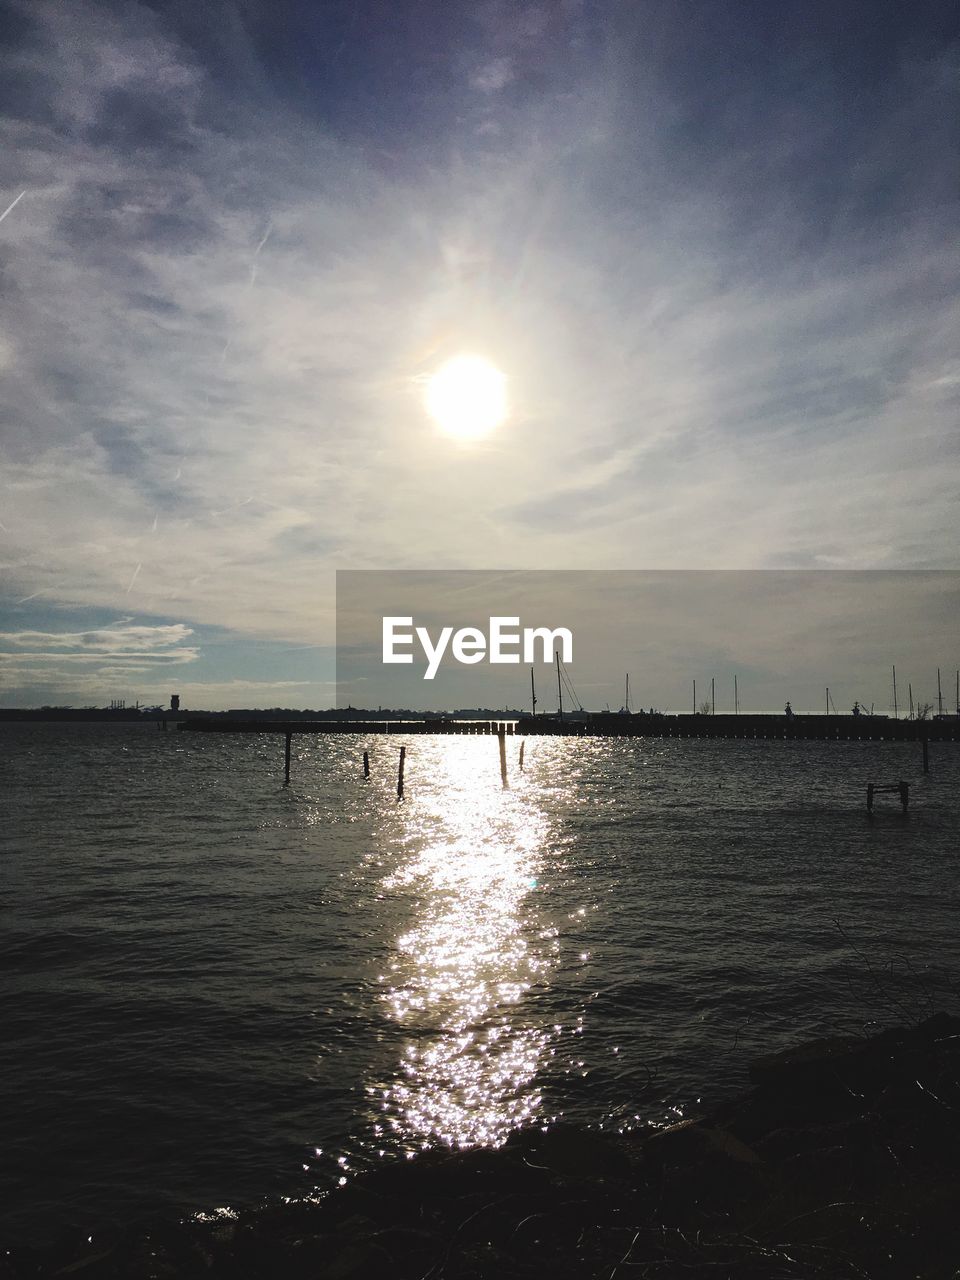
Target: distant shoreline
131,715
795,727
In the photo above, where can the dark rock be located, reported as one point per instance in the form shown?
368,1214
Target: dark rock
564,1149
363,1260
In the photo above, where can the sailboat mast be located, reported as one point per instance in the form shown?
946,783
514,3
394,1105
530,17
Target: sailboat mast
895,716
533,692
559,687
939,695
626,696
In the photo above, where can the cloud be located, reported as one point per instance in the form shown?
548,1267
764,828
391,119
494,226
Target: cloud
98,659
143,640
37,665
493,76
218,318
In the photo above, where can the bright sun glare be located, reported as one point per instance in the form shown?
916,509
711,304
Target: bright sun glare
467,397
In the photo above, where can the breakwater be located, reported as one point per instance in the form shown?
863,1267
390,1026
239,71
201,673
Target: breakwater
798,727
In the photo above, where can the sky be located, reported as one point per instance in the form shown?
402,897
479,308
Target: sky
711,244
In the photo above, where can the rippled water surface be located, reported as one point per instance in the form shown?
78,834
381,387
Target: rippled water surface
217,989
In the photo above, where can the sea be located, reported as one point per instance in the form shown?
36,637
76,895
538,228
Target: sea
219,990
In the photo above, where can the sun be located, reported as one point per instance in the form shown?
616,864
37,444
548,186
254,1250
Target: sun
467,397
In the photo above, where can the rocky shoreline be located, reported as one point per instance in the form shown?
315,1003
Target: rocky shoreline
842,1161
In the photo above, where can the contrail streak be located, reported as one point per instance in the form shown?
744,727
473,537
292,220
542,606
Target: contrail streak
25,599
256,254
12,206
136,573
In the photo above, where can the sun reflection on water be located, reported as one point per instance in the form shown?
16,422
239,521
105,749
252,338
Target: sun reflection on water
477,945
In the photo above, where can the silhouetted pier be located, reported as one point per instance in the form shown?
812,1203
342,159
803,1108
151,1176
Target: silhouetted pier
797,727
793,727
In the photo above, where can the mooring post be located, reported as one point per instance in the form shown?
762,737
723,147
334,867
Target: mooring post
904,795
286,760
869,797
403,756
502,738
366,764
522,745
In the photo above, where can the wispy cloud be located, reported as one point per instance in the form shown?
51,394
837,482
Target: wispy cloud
116,639
86,663
493,76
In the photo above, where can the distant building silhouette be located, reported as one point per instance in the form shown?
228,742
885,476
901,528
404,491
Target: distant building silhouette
174,702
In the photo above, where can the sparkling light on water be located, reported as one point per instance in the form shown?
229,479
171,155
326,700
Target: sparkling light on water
459,976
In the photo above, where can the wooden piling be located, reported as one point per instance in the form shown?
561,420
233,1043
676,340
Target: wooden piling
403,757
522,745
366,764
901,788
286,759
502,738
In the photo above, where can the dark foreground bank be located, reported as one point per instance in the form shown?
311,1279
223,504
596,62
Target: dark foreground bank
844,1160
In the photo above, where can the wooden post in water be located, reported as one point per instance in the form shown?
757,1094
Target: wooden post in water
502,738
403,756
286,760
366,764
902,788
522,745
